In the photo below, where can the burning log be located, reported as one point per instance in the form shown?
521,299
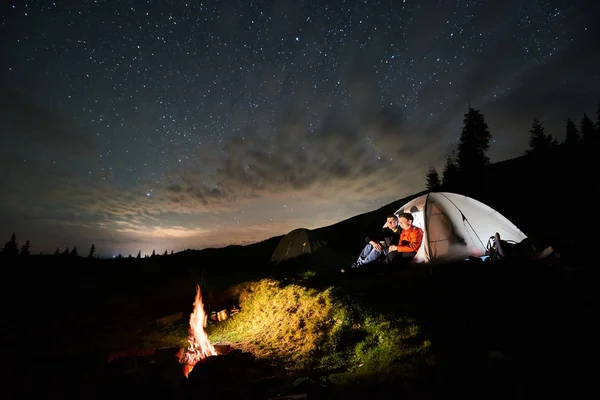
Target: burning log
199,346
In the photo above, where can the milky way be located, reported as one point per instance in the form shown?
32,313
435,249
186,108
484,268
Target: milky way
166,125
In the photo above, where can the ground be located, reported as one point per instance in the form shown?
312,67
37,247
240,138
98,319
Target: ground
498,331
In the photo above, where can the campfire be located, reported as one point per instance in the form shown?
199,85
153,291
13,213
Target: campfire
199,346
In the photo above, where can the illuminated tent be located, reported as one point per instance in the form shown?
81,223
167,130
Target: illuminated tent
456,227
305,246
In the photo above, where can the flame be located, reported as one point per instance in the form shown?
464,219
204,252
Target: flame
199,345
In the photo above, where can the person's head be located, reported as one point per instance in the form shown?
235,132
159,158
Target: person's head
405,220
392,221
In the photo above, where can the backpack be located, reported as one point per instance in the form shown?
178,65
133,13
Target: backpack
498,249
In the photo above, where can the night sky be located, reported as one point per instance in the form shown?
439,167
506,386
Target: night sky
167,125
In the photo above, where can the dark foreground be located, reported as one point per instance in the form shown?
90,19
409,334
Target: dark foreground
499,331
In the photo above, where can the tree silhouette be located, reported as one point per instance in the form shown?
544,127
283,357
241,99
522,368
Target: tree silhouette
153,254
433,180
57,252
473,143
165,253
572,136
139,255
66,252
588,130
11,248
598,119
92,251
450,175
539,141
25,249
74,252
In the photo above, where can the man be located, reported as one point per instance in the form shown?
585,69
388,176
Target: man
411,238
378,244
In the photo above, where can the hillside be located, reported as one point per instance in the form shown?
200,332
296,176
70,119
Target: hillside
509,329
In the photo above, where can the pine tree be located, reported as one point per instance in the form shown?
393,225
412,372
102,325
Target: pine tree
25,249
474,142
165,253
572,136
433,180
153,254
74,252
539,141
450,175
11,248
57,252
139,255
598,119
588,131
92,251
66,252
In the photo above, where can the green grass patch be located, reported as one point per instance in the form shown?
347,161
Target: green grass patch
316,329
322,330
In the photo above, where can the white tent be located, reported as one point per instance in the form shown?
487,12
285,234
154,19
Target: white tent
456,227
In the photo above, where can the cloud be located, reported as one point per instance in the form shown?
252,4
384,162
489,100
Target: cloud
341,158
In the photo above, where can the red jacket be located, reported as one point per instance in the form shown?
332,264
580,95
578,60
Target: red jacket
410,239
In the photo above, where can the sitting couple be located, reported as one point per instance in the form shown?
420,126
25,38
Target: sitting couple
396,243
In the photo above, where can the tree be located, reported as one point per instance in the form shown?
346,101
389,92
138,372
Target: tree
92,251
588,131
474,142
539,142
165,253
57,252
598,119
74,252
66,252
153,254
433,180
139,255
25,249
450,175
11,248
572,136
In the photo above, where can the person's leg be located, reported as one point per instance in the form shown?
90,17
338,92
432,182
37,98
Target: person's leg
399,258
369,255
365,253
373,260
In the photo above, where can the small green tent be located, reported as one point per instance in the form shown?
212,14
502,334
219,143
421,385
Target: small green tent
305,245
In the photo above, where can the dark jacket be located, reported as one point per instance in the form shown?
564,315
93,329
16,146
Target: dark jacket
386,235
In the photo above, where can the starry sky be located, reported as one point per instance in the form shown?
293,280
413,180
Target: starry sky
168,125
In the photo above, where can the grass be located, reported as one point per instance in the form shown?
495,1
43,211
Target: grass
321,330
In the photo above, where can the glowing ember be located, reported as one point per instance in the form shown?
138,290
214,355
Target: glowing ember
200,347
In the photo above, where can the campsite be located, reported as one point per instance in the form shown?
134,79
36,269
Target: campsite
466,327
299,199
